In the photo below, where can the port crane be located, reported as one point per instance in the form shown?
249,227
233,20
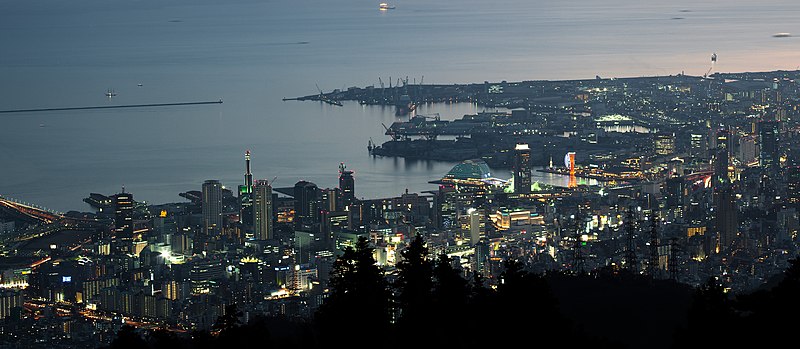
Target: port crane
323,98
389,132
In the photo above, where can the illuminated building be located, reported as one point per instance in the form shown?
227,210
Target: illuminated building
675,193
91,288
9,299
665,144
204,275
476,226
769,155
747,149
346,238
522,169
212,208
306,210
722,158
123,214
347,186
262,210
301,278
697,144
504,218
726,216
303,242
246,194
725,209
793,185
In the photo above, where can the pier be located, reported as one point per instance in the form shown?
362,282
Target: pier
109,107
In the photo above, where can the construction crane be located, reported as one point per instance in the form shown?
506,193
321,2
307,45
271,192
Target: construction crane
389,132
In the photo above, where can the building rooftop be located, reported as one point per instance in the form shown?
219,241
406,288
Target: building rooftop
470,169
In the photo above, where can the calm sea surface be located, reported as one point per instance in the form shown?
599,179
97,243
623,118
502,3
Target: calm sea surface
253,53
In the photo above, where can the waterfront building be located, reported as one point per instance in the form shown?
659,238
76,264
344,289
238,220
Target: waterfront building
522,169
123,214
347,186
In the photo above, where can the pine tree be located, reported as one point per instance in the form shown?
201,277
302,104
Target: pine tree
358,299
414,284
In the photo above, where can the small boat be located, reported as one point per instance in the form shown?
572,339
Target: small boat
781,35
384,6
140,85
110,93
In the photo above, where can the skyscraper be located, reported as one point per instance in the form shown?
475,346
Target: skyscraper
347,186
722,158
769,156
725,210
123,214
262,210
212,207
726,216
793,185
305,204
665,144
246,194
522,169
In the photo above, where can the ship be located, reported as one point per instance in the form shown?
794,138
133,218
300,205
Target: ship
384,6
110,93
404,105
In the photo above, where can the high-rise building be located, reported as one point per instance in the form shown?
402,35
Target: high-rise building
303,242
665,144
793,186
347,186
769,155
306,212
697,144
725,210
722,158
675,194
212,207
522,169
9,300
726,216
246,194
262,210
123,214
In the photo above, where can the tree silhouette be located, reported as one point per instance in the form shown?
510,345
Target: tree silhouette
358,299
127,338
414,284
229,320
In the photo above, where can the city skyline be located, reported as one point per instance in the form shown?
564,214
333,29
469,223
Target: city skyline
314,174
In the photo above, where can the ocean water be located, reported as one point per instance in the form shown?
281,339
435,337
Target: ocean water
253,53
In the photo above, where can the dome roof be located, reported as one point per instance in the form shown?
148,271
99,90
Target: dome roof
470,169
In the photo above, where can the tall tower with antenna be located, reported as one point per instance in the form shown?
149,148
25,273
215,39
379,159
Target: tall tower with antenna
246,194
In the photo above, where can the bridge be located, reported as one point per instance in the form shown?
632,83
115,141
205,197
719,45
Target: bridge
29,212
47,221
